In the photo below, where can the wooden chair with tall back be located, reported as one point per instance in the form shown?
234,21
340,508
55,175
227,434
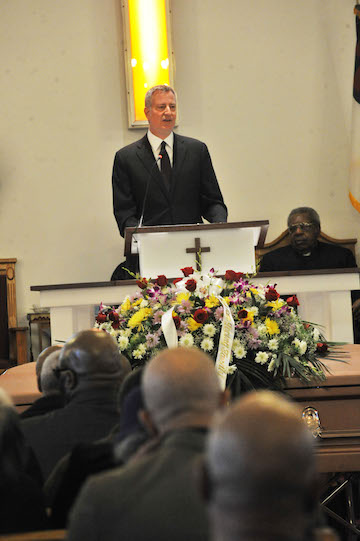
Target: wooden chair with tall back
284,240
13,339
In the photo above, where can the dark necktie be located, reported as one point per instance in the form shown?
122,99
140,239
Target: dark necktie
165,165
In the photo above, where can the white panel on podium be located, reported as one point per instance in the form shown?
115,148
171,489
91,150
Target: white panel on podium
221,249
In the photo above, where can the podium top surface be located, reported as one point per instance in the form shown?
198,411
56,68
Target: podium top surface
262,225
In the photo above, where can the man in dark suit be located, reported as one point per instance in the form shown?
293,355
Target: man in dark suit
305,252
260,474
90,371
49,385
164,178
155,496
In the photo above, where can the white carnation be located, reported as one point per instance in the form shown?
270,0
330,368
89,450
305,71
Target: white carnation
273,344
207,344
262,330
261,357
139,352
123,342
209,329
239,350
187,341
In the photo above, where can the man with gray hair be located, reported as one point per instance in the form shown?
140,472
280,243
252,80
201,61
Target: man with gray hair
155,496
48,383
164,178
305,251
260,471
90,373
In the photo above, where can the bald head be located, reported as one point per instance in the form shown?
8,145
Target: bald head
181,388
40,361
94,354
260,461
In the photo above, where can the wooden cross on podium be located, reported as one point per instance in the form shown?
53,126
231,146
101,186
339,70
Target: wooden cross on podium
198,250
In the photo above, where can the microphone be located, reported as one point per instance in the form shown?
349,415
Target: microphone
147,190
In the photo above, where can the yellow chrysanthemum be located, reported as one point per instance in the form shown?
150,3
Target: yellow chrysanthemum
138,317
254,291
183,296
227,300
212,301
192,324
126,305
271,326
276,305
137,302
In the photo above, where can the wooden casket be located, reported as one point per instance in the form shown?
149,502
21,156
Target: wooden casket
336,403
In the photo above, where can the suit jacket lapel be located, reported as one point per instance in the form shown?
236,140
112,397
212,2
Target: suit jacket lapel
179,154
145,154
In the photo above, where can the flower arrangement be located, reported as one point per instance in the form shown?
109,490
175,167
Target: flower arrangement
264,338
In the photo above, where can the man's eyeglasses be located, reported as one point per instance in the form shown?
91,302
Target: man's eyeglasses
304,226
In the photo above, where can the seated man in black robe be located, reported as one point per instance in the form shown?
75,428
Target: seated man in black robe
305,251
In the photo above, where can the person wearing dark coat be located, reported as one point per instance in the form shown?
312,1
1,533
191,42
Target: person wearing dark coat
22,502
155,496
91,370
259,473
143,191
48,383
305,252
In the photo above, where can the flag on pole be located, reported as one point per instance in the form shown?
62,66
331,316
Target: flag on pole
354,192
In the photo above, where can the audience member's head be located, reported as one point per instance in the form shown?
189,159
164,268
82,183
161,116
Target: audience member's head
261,471
49,381
181,389
90,358
304,229
40,361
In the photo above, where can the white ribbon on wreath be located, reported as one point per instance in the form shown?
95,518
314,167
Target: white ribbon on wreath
206,286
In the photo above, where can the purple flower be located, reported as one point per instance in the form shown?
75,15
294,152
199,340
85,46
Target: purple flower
152,340
254,343
253,332
157,317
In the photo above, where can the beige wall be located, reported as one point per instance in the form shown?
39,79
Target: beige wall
266,85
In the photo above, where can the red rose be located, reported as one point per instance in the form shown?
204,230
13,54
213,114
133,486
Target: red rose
321,347
190,285
201,316
113,316
101,318
176,280
271,294
238,275
142,283
187,271
242,313
115,324
177,321
292,301
230,275
161,280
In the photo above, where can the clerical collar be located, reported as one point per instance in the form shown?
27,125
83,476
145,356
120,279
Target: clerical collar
307,254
